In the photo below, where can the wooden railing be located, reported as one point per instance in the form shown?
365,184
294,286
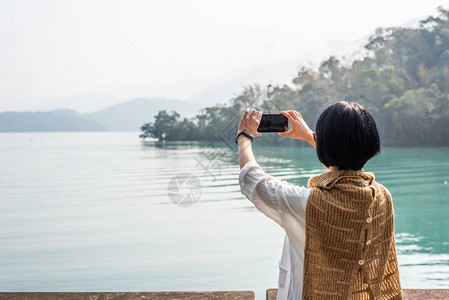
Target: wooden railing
227,295
409,294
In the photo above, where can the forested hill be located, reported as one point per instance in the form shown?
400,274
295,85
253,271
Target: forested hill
403,80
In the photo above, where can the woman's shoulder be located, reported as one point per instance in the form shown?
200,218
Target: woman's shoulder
382,188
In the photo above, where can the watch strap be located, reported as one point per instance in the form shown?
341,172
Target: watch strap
245,133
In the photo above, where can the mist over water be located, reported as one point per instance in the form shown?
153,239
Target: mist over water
91,212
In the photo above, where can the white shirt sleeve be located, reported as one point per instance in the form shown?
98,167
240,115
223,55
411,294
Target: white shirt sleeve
273,197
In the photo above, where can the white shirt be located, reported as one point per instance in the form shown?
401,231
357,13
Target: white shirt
286,205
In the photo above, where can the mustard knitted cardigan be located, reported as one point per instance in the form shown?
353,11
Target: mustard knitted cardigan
350,251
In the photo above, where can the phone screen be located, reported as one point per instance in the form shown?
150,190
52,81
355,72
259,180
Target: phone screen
273,123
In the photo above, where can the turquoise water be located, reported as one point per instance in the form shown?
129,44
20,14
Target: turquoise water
91,212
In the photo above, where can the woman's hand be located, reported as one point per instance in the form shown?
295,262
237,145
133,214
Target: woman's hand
299,128
250,122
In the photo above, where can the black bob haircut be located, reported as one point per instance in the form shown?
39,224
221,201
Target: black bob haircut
346,136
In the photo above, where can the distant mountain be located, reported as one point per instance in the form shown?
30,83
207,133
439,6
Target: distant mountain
84,103
126,116
130,115
57,120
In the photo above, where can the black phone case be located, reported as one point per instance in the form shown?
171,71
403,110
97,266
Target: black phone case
273,123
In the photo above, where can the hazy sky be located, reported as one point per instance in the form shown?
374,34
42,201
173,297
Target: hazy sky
112,51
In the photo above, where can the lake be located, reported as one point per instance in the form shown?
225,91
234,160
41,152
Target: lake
101,211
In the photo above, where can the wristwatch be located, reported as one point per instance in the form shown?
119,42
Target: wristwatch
245,133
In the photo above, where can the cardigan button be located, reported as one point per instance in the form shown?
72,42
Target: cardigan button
368,220
366,183
361,262
368,242
364,286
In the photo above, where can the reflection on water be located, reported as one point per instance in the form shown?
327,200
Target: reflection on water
90,212
420,267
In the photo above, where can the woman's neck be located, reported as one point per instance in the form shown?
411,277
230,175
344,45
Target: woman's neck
334,169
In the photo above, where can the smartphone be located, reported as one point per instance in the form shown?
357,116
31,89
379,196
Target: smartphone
273,123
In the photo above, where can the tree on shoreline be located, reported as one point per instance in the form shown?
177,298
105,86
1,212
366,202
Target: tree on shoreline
162,127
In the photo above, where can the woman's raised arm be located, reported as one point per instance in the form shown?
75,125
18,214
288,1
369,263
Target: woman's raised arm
249,122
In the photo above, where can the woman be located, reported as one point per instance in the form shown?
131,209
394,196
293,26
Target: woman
339,241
